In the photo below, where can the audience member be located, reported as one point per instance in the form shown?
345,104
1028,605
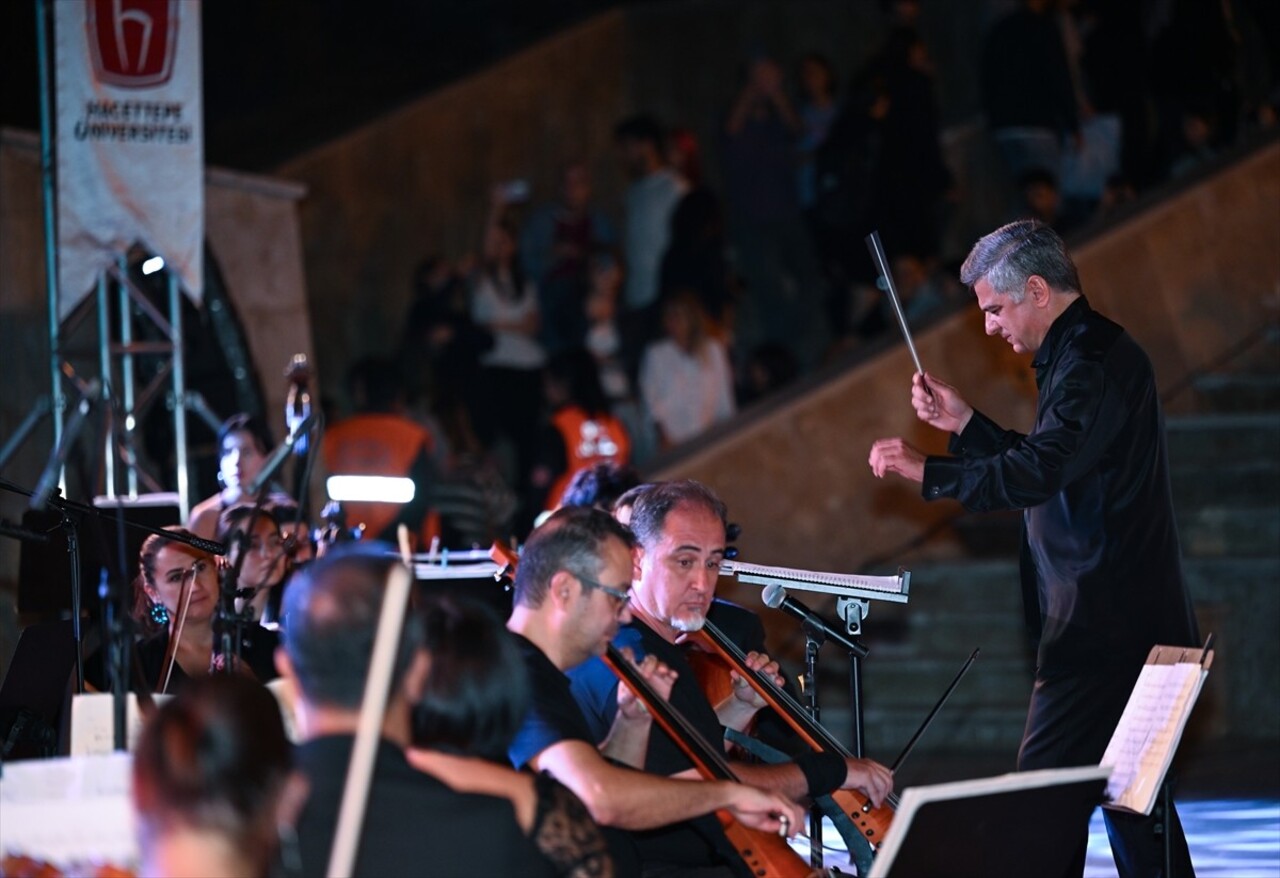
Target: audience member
818,110
442,347
209,778
474,701
380,439
650,200
697,258
1027,91
685,378
412,820
510,391
772,250
555,250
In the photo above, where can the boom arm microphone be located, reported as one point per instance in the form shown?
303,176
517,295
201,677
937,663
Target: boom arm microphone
277,458
776,596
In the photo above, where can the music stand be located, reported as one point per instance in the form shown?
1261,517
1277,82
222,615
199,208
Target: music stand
34,689
1027,823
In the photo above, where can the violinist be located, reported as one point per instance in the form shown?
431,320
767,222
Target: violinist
267,561
175,604
680,530
572,590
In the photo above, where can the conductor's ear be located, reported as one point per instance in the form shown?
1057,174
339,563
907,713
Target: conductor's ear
1039,290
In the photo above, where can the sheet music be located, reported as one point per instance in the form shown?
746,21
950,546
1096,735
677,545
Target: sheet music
93,722
69,811
1148,733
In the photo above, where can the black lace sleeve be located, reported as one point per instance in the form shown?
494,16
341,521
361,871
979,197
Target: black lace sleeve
565,833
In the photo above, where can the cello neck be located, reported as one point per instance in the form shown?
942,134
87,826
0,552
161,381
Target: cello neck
709,760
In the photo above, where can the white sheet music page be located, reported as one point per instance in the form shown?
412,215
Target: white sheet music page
1147,736
72,812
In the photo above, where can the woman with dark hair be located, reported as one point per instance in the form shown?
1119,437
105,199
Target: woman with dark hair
175,603
209,775
473,704
243,445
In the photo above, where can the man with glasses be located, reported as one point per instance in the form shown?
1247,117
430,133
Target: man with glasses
680,530
1101,572
572,592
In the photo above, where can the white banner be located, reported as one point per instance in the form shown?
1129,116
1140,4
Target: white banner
130,138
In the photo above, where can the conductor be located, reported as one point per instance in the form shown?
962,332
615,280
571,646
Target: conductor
1101,568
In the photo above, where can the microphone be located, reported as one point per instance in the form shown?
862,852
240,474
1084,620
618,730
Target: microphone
49,478
776,596
277,457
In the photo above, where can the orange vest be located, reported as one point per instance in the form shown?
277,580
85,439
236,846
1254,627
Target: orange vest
587,441
376,444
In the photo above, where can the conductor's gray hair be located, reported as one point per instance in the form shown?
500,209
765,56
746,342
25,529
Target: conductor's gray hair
1012,253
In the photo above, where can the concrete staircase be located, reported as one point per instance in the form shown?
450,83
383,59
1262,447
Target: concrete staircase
1224,453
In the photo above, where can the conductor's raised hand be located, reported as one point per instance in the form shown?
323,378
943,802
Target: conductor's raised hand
897,456
938,404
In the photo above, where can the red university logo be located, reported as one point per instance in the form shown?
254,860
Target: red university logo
133,41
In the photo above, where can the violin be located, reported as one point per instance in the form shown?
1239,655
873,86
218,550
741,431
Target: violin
763,853
872,822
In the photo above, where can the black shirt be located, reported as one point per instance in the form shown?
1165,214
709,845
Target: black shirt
257,652
413,825
693,843
555,716
1101,556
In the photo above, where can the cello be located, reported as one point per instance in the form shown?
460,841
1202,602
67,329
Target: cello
870,821
763,853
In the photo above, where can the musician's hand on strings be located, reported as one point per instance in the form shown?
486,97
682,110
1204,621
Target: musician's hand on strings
938,404
742,690
870,777
768,812
897,456
659,677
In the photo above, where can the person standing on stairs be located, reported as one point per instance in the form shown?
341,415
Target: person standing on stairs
1101,565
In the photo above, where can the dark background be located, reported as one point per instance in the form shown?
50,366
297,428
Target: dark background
288,74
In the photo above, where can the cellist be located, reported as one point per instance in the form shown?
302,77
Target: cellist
572,591
680,529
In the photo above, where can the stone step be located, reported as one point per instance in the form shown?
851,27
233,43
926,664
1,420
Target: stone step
1232,392
964,727
1230,531
1215,440
1243,483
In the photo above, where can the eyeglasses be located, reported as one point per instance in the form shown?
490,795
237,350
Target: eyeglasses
622,597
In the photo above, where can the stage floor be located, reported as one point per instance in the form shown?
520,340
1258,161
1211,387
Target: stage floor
1228,837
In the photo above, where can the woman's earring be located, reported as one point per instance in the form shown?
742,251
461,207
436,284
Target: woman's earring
159,613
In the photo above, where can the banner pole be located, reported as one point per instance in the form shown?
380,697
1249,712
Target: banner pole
58,398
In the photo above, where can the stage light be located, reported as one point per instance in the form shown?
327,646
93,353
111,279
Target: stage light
152,265
370,489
